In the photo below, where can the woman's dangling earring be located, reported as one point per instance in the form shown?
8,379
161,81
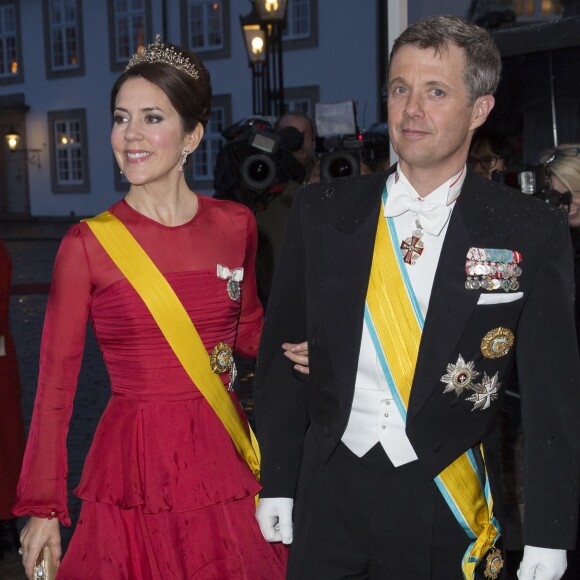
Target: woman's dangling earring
185,154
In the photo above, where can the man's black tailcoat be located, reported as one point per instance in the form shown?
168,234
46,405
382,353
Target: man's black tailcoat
319,292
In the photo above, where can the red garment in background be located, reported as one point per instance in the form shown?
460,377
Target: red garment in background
163,485
11,423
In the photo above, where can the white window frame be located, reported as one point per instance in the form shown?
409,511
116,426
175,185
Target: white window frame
205,156
69,158
211,22
10,64
67,27
302,99
135,20
300,105
68,152
298,20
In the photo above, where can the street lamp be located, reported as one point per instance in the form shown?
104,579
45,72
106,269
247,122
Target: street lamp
262,30
271,10
255,41
12,139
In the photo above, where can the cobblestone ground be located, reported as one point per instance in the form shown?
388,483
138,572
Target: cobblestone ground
33,250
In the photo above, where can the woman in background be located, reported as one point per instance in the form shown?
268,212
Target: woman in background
563,169
11,424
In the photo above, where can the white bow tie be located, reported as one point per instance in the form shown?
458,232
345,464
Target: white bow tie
432,216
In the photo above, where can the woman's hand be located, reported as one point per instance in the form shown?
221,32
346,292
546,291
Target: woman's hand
298,354
37,533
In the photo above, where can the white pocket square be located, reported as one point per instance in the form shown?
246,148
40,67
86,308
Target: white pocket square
486,299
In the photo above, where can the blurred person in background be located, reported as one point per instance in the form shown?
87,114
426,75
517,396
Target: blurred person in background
11,423
272,218
306,155
563,168
563,165
489,152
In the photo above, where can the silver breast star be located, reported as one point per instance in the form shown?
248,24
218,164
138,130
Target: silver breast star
485,392
459,376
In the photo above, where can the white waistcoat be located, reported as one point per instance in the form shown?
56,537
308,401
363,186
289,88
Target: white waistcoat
374,417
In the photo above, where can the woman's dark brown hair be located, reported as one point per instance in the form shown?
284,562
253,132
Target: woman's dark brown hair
190,97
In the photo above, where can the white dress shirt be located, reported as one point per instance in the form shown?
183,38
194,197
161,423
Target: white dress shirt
374,416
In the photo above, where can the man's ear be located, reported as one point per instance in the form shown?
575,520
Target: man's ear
192,139
481,110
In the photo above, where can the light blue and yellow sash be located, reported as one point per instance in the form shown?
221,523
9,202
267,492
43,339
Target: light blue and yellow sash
176,326
395,322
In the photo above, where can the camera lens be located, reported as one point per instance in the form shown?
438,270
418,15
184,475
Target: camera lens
258,172
340,167
339,164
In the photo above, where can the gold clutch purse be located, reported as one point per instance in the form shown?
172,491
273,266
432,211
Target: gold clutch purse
45,568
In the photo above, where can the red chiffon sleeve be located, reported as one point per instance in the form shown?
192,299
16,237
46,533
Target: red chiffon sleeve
42,489
251,315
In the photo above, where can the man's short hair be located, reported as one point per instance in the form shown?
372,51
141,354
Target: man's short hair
483,60
294,115
498,142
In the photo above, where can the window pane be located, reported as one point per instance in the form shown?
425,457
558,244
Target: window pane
206,155
205,24
297,20
130,19
63,34
69,154
8,56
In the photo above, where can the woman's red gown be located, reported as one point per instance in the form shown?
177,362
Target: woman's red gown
165,494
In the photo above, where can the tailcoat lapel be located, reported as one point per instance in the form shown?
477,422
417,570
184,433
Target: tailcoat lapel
451,304
348,238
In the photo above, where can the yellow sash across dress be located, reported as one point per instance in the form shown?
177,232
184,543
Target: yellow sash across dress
176,326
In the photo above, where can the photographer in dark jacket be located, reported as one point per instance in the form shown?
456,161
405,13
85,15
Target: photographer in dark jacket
261,167
563,166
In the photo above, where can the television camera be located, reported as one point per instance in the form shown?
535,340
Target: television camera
344,149
256,162
344,156
533,180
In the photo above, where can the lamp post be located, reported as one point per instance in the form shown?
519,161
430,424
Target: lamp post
12,139
255,41
262,30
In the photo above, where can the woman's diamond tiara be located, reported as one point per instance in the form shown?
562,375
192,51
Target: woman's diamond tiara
158,52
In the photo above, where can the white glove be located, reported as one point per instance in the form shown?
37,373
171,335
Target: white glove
542,564
274,515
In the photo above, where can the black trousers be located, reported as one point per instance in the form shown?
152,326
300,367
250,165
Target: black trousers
362,518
